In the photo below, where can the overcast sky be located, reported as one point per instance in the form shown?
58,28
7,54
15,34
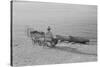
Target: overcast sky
60,16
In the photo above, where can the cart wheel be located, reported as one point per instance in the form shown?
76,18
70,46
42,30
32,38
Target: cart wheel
51,44
48,44
40,43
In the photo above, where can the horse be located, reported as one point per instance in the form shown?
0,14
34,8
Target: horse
37,37
40,39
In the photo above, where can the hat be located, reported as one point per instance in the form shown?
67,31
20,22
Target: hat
49,28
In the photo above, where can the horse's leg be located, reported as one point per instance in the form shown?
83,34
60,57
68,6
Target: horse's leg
33,41
40,42
37,42
50,44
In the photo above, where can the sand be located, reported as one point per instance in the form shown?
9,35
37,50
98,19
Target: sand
25,53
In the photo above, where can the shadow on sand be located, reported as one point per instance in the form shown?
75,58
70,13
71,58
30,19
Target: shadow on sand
73,50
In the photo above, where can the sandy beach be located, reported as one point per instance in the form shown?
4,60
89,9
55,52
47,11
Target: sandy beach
25,53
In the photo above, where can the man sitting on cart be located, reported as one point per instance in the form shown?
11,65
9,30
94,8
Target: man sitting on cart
49,36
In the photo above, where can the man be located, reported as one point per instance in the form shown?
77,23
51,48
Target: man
48,35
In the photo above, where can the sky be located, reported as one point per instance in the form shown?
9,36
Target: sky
63,18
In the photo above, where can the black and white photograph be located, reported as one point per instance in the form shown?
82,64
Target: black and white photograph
44,33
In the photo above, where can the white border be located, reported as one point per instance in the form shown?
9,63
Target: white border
5,32
86,2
